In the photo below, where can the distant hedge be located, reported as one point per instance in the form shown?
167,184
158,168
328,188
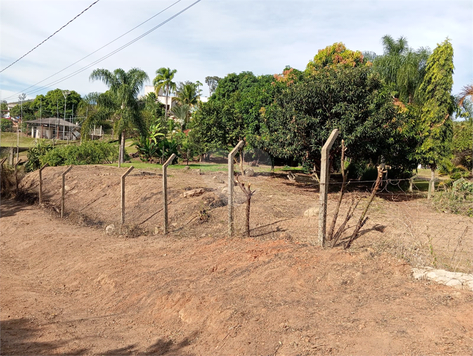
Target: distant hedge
89,152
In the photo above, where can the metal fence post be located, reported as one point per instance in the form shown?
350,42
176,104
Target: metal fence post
324,182
122,186
41,183
165,191
63,190
231,155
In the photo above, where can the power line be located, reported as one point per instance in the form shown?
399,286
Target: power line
109,54
31,50
109,43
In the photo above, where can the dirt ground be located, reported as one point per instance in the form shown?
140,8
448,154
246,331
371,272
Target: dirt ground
67,287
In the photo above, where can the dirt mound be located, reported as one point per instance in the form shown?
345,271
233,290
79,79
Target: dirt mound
74,290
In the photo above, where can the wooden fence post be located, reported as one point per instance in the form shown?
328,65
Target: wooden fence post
41,183
231,183
122,185
63,190
165,191
324,182
16,176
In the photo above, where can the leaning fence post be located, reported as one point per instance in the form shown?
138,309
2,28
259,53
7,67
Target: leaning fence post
63,190
122,185
165,191
231,181
41,183
324,181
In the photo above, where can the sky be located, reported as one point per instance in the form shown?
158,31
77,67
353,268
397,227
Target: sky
211,37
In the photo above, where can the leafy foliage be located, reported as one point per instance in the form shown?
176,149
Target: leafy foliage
438,105
402,68
35,153
336,55
456,198
89,152
350,99
6,125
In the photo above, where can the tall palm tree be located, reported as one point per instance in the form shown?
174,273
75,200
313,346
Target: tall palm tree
402,67
163,80
124,88
187,95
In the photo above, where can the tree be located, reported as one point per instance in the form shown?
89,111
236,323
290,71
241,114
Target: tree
212,82
302,116
336,55
124,88
188,96
438,105
153,110
402,68
163,81
3,107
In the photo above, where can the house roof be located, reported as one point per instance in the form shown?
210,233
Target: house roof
52,121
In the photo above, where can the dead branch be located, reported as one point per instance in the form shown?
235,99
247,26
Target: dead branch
340,197
363,217
249,193
348,216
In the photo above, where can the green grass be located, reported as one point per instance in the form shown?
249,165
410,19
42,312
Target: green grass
9,139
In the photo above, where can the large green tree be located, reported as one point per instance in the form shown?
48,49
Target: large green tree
163,81
124,88
350,99
438,106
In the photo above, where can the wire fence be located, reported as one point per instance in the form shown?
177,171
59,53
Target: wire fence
284,206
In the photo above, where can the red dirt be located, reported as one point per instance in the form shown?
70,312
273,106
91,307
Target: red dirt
68,289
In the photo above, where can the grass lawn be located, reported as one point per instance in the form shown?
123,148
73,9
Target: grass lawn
9,139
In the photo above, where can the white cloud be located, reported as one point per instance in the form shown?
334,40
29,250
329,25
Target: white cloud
216,37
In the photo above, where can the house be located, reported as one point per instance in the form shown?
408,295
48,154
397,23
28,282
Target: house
54,127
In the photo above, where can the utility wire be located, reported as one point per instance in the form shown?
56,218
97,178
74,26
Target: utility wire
31,50
109,54
109,43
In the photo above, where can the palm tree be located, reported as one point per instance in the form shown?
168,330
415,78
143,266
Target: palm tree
402,67
187,95
124,88
181,112
467,91
163,80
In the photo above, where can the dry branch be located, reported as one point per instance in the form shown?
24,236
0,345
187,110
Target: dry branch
362,220
340,197
249,193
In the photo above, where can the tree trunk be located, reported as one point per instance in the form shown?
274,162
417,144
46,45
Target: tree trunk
431,182
121,153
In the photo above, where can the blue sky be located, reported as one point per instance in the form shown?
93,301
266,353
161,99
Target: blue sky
214,37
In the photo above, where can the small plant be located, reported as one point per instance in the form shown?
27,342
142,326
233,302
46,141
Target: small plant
457,198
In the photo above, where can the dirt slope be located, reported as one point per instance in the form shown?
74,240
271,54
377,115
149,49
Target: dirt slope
74,290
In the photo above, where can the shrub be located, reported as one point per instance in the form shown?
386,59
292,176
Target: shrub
6,125
34,154
89,152
456,198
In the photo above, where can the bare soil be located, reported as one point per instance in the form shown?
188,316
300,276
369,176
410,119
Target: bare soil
67,287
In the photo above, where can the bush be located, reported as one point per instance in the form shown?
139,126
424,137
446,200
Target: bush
456,198
6,125
34,154
89,152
